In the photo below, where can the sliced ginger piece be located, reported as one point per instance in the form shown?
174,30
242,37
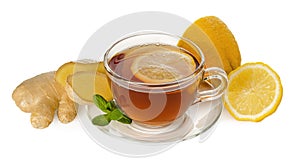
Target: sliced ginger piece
81,86
70,68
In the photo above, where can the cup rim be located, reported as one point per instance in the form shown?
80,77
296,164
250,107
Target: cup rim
114,75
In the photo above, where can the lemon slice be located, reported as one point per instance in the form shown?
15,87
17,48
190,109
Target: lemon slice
254,92
162,66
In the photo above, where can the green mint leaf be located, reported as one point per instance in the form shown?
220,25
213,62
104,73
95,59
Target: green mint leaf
106,111
100,102
101,120
116,114
111,110
113,105
109,106
125,120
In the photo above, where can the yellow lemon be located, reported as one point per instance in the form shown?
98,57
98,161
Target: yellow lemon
217,42
254,92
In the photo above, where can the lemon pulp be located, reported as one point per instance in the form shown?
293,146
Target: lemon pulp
163,64
254,92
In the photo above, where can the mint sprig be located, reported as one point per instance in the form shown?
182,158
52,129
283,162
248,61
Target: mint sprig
111,110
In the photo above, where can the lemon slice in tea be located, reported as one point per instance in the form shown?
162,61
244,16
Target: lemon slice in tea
163,65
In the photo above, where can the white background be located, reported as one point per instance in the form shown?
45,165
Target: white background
38,36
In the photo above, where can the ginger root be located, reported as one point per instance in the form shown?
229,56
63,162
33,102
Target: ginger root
42,96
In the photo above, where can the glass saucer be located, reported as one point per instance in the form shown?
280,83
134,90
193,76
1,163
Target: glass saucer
130,140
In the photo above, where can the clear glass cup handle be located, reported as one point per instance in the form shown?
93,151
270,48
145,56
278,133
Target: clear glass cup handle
213,73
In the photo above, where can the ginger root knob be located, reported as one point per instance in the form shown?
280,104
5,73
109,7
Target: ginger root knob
41,96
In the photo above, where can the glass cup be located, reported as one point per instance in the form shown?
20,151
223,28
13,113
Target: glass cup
156,104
